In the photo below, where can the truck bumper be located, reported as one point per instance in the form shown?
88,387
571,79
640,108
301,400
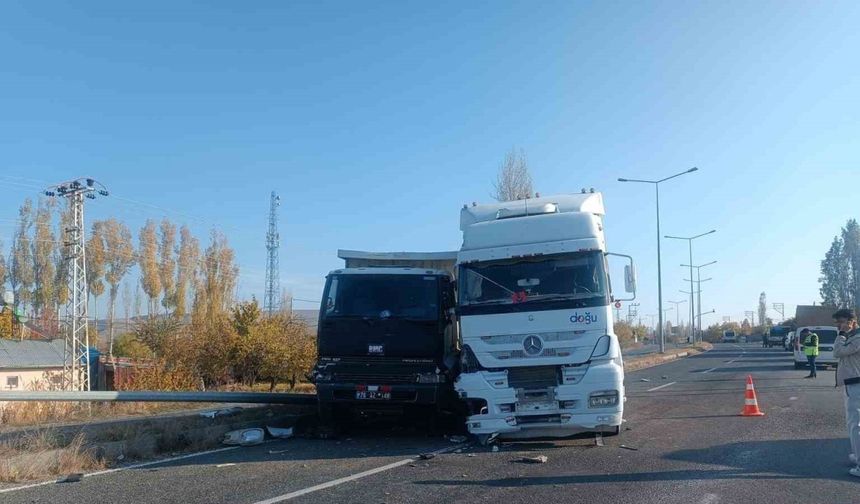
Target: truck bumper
344,393
566,411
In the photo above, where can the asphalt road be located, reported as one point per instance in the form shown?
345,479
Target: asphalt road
690,447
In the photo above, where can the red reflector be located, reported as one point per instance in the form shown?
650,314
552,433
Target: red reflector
385,388
361,388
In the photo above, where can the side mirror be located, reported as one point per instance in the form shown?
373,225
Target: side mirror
630,278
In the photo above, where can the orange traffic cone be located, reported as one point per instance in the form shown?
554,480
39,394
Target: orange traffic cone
750,401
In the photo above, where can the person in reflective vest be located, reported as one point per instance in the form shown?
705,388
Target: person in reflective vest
810,349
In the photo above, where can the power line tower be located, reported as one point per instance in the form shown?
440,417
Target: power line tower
273,289
76,350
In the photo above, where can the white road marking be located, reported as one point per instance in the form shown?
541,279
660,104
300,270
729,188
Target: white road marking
661,386
347,479
124,468
709,499
709,370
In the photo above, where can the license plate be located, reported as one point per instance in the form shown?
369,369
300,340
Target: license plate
367,395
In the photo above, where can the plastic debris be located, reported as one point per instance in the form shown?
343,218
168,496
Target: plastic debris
629,448
495,448
221,412
540,459
598,439
470,455
279,433
646,380
229,464
457,439
244,437
71,478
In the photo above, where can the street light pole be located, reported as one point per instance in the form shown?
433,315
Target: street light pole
690,241
677,311
659,271
699,296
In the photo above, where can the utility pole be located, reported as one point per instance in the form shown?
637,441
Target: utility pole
270,298
76,348
631,313
780,308
690,243
677,311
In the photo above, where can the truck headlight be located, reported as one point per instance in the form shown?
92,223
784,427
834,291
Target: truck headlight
603,399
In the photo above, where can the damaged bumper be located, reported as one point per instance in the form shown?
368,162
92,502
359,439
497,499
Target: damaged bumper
586,398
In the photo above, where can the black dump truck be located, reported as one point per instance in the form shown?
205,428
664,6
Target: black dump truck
387,336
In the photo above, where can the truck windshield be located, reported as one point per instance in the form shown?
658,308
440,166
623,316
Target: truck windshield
382,296
512,281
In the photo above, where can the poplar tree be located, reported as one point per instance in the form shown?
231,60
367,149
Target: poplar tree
119,258
150,278
21,259
167,263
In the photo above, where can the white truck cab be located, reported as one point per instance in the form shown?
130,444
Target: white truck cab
539,356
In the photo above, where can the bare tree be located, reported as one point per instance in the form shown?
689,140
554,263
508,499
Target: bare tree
95,262
21,276
189,255
513,182
148,261
119,258
167,263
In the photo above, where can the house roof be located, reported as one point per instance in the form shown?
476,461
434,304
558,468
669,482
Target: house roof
31,354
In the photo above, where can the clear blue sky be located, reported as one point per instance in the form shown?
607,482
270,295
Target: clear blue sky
376,121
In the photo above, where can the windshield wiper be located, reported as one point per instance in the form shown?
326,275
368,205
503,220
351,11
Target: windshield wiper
492,281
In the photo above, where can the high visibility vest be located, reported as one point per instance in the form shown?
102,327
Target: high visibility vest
810,345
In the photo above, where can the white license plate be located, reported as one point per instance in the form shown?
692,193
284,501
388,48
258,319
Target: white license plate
367,395
537,406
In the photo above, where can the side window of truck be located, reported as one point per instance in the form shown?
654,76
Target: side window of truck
331,302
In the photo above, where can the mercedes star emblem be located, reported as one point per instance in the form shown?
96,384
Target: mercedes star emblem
532,345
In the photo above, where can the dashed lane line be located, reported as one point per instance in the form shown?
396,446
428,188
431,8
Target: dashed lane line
661,386
347,479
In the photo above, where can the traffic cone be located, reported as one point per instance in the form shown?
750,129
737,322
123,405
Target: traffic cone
750,401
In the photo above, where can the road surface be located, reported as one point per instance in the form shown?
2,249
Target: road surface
690,447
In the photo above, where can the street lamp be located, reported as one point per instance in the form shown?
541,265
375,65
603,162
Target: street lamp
690,242
677,311
656,184
699,276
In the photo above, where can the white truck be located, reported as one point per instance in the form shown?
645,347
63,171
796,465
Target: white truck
539,356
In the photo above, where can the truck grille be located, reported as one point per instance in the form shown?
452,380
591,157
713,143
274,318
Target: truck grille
533,377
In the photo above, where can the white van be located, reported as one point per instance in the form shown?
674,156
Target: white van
826,340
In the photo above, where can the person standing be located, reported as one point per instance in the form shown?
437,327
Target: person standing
847,351
810,349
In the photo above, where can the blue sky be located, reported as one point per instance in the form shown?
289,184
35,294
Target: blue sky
376,121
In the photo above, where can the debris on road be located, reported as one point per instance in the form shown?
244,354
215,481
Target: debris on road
646,380
665,377
495,448
625,447
277,452
229,464
71,478
457,439
244,437
221,412
427,456
540,459
279,433
470,455
598,439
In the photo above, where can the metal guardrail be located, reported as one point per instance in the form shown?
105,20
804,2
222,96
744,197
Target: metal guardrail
147,396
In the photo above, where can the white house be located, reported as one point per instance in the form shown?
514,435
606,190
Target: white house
29,364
